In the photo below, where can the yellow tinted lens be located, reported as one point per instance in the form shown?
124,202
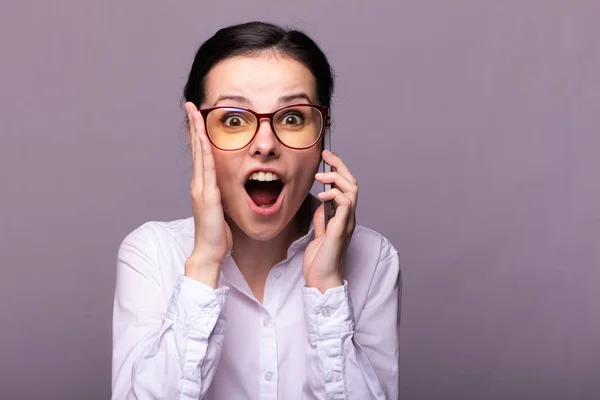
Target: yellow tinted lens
230,128
298,126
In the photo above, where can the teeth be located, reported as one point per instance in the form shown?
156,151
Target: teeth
263,176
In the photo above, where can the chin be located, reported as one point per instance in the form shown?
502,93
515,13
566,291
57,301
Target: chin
258,229
263,233
262,220
262,227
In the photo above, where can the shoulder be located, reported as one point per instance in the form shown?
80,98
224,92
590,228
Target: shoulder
161,230
373,245
154,239
371,265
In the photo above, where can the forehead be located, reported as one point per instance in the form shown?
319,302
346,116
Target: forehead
262,79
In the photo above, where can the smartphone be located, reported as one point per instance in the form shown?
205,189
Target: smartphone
329,211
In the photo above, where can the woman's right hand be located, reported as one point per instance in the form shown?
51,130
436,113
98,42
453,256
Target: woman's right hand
212,235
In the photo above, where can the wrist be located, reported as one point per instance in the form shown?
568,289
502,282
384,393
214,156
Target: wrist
326,283
207,272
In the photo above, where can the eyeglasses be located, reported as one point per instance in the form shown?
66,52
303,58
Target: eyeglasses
298,126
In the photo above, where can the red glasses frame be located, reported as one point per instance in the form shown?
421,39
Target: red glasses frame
259,116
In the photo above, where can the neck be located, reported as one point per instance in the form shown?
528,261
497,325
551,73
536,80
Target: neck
255,258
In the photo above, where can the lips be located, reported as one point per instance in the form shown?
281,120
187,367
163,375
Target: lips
264,191
266,210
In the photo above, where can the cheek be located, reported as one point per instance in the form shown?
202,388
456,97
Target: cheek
226,177
308,166
314,159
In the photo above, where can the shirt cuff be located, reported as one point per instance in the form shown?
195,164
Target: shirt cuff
196,305
328,315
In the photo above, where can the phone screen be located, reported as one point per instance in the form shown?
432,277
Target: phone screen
329,212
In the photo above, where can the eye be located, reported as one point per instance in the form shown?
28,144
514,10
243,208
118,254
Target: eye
233,120
292,118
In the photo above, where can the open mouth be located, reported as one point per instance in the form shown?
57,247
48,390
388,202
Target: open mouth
264,188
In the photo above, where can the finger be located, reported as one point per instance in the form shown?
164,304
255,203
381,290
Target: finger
190,108
194,146
343,209
336,162
341,182
209,177
339,198
197,170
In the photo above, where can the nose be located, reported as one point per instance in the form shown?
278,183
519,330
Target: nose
265,144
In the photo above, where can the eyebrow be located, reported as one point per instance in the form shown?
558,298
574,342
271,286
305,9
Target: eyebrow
244,100
239,99
295,96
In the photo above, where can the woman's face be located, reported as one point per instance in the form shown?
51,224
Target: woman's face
262,83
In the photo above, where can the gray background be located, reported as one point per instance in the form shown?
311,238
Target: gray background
472,127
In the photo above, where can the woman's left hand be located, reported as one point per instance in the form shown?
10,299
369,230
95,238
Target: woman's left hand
323,257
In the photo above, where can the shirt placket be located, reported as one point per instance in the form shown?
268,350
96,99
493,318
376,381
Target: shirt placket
268,336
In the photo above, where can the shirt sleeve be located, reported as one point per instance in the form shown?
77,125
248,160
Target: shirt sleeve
162,349
348,360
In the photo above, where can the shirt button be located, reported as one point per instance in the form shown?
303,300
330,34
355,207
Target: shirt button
268,376
267,322
277,274
326,312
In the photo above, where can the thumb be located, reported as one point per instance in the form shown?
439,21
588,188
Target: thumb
229,236
319,221
227,229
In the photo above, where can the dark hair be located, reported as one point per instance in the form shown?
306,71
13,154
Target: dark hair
254,37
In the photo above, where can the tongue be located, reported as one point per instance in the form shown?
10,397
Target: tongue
263,194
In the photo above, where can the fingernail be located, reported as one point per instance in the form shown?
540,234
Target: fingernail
320,174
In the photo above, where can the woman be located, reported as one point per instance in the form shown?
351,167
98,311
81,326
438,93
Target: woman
254,297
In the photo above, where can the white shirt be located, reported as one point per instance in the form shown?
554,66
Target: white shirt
176,338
